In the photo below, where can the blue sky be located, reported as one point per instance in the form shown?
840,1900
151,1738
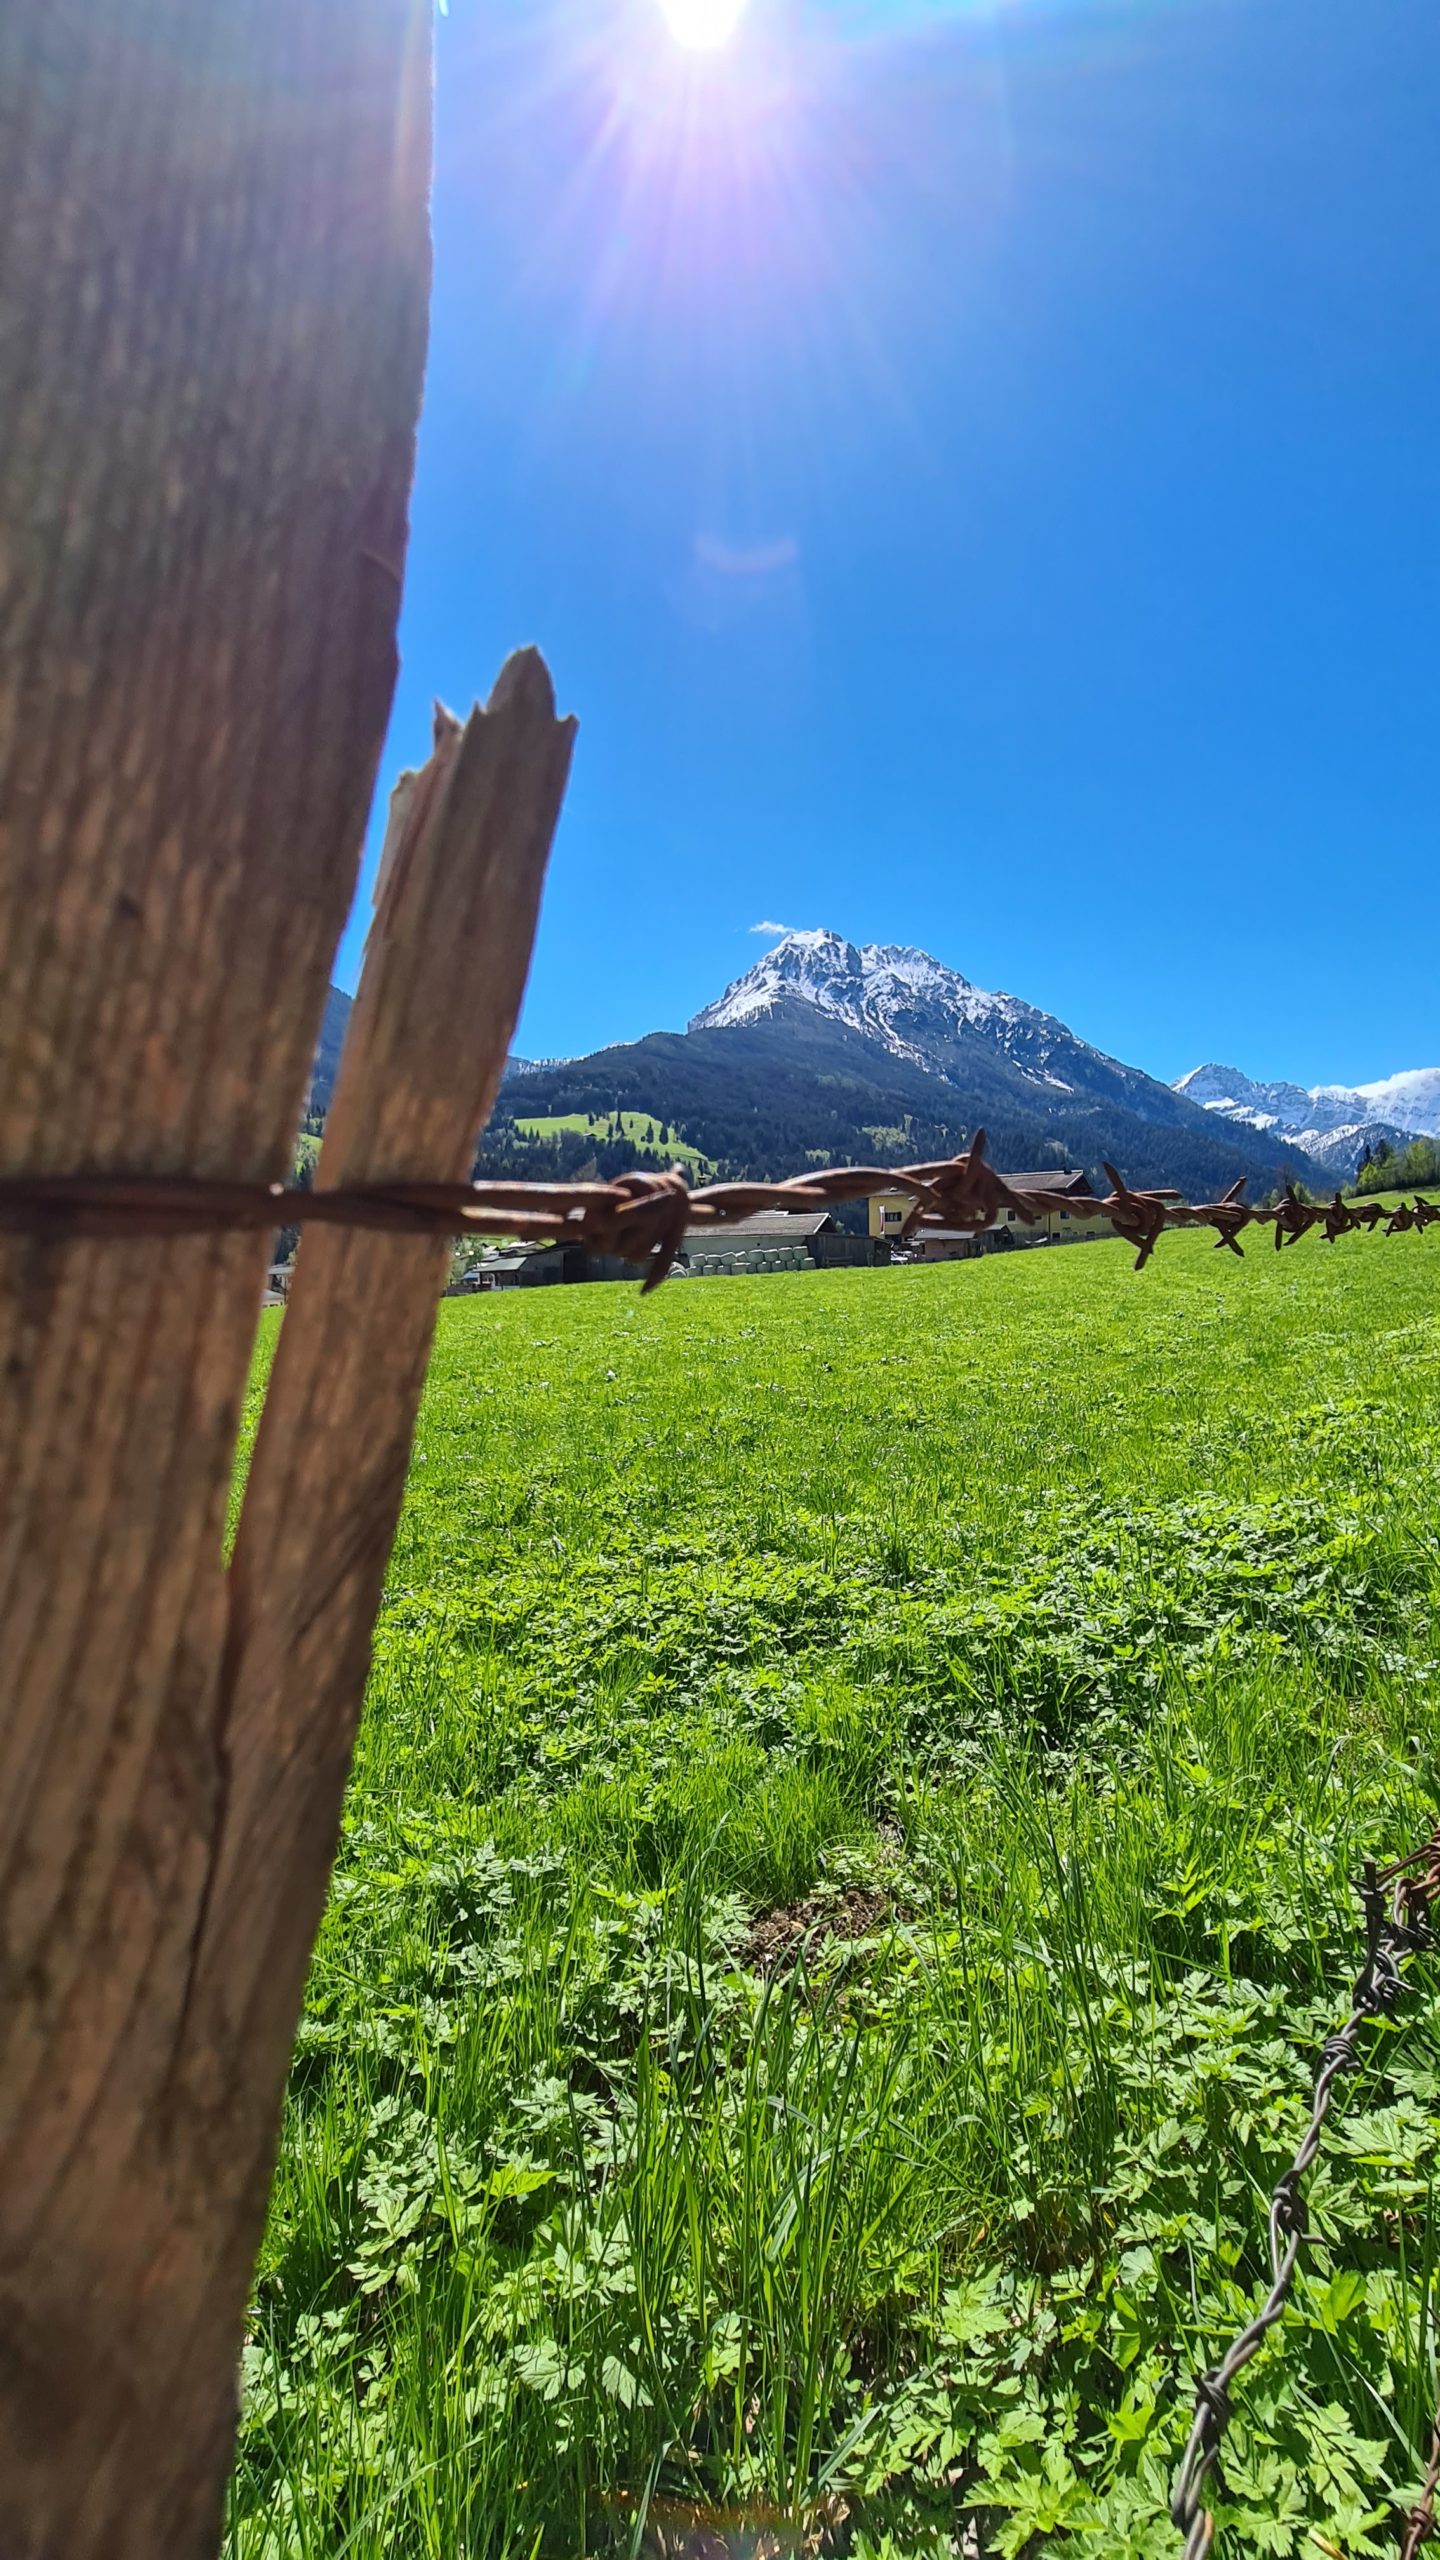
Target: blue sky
975,472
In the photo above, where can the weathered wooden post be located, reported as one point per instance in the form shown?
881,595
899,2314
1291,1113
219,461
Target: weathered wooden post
214,266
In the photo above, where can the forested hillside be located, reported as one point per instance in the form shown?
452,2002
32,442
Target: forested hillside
765,1098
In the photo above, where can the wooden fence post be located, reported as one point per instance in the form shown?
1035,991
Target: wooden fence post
427,1044
214,268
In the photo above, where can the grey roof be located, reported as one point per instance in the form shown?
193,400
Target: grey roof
782,1226
1074,1183
1053,1179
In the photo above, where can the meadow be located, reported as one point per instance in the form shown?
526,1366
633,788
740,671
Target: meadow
642,1128
848,1868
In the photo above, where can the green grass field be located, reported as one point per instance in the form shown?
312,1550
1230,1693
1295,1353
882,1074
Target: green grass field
635,1125
846,1877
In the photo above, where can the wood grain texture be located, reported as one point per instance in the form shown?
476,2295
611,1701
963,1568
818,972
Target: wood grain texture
214,264
444,975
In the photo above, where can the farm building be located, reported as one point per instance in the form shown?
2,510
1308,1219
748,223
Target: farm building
771,1240
541,1265
1060,1225
779,1240
501,1270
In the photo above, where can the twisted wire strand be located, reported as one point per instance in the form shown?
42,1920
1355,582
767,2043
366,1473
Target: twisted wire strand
1390,1936
645,1218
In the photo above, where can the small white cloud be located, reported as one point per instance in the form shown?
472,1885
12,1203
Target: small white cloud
772,929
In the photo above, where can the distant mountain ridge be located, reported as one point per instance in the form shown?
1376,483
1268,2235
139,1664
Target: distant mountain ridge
886,990
928,1014
825,1051
1335,1123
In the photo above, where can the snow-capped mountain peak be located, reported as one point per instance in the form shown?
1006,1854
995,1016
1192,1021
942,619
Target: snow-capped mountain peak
1412,1098
886,990
1332,1122
818,966
931,1017
1239,1096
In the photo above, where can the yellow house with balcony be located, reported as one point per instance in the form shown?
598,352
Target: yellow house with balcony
1062,1224
888,1212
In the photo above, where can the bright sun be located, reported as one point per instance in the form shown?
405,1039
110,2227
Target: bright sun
703,24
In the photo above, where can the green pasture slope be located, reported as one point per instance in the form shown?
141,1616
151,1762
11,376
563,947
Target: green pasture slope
635,1125
846,1877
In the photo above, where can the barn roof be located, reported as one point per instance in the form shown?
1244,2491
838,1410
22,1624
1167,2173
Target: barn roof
1075,1185
787,1226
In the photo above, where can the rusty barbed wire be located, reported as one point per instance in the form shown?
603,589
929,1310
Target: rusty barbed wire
645,1218
1422,2515
1422,1890
1390,1936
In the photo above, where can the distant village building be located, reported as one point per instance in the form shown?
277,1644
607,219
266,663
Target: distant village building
779,1240
540,1266
771,1240
775,1240
1059,1225
500,1270
888,1212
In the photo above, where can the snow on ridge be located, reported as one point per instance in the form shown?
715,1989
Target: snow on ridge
1310,1114
909,1002
1412,1097
867,986
924,1013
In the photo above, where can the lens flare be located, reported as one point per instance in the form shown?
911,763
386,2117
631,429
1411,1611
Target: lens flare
703,25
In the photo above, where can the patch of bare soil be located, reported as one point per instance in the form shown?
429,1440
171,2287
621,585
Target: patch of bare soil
778,1939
